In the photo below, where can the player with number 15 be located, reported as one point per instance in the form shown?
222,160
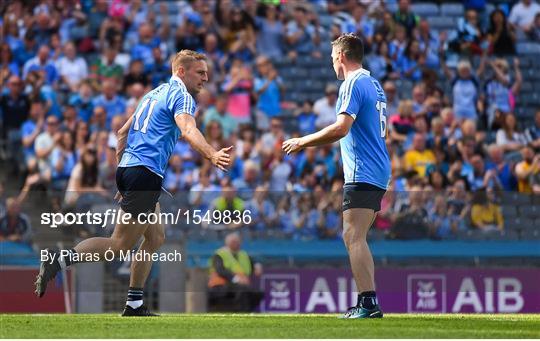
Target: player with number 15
361,127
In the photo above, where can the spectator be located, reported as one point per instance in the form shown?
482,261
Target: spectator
218,113
412,220
392,100
485,213
270,32
107,171
305,218
429,44
230,284
214,135
11,35
177,179
147,41
44,145
306,118
69,122
444,222
469,35
98,122
14,106
203,192
302,37
501,35
398,43
82,101
84,178
381,65
268,90
418,97
262,210
465,91
28,50
159,70
248,182
418,158
459,200
412,61
405,17
136,74
509,137
31,129
533,133
14,225
535,31
72,68
229,201
110,101
42,63
500,91
189,35
501,168
385,28
386,216
324,107
238,85
63,160
271,140
106,67
401,124
530,166
523,14
279,170
8,67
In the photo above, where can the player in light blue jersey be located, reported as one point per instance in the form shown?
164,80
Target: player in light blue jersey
361,128
145,144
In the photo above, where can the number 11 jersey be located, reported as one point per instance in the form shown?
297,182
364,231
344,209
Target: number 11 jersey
153,132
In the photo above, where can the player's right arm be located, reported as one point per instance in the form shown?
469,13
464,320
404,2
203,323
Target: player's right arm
122,139
187,125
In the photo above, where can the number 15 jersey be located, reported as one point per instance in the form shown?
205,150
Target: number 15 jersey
153,132
363,149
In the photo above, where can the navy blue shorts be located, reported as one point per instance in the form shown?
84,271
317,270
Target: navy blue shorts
140,189
362,195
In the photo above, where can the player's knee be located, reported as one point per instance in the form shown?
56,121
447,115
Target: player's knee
155,240
121,245
351,234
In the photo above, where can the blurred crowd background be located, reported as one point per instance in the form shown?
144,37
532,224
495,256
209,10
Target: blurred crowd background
462,81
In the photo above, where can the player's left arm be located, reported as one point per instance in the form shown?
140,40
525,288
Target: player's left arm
330,134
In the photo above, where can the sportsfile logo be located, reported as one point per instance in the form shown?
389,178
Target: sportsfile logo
282,293
426,293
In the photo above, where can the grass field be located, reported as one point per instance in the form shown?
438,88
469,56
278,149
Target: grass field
268,326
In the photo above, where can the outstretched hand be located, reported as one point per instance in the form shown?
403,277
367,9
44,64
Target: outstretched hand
292,145
221,159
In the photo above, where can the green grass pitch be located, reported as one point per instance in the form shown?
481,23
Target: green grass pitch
268,326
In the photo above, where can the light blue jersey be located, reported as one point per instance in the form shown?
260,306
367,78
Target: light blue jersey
153,132
363,149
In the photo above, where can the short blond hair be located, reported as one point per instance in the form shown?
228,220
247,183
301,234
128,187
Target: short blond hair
185,58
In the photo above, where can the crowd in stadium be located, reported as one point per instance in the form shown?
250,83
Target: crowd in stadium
72,71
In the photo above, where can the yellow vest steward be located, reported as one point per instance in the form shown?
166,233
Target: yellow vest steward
239,265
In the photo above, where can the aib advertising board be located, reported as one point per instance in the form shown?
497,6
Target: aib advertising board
405,290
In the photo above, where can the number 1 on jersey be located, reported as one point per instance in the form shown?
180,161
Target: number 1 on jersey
381,108
139,113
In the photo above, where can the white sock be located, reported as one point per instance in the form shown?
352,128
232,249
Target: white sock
134,304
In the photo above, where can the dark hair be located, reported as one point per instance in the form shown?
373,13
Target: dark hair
407,52
492,20
89,174
480,197
351,45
